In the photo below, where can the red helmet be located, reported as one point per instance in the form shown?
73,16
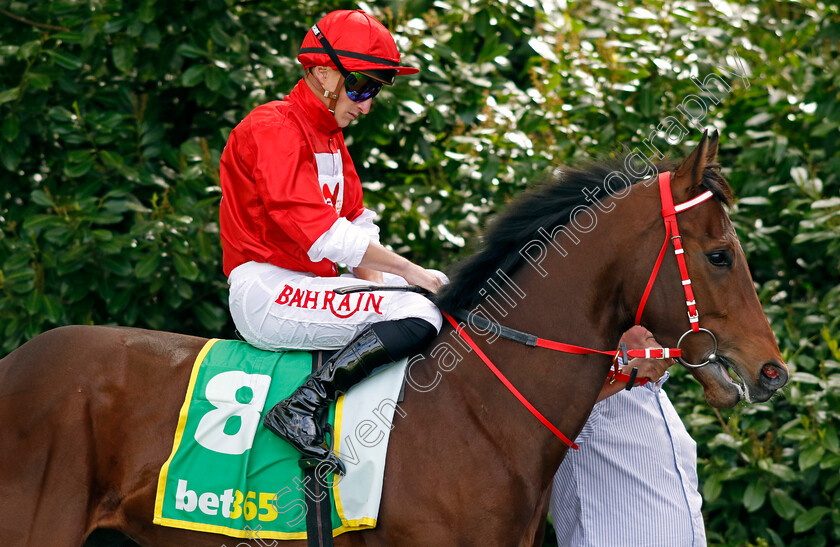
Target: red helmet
359,40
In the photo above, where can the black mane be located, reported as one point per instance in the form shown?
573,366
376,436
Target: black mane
547,206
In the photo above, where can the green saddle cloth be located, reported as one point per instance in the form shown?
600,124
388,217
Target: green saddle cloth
226,473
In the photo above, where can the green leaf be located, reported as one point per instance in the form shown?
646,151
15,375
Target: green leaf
780,470
123,56
52,308
11,128
758,119
805,378
755,200
810,457
824,129
34,303
193,75
80,156
712,488
135,29
65,60
783,504
832,442
146,13
76,170
9,95
148,264
10,158
69,37
61,114
809,519
22,282
214,79
190,51
37,222
185,267
29,49
183,289
102,235
212,317
38,80
754,496
111,159
117,264
41,198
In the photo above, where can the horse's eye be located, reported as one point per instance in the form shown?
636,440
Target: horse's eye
721,259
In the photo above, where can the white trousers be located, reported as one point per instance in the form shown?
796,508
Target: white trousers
274,308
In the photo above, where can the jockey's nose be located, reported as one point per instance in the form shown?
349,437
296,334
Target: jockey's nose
364,106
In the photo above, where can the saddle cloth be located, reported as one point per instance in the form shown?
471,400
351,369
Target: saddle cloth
229,475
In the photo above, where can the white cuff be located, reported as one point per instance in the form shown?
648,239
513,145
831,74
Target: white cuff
343,243
365,221
657,385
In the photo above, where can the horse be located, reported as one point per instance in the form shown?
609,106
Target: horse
88,412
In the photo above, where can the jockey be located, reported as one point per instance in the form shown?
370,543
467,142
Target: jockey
292,209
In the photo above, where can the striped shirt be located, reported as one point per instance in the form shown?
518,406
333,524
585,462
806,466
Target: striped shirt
633,483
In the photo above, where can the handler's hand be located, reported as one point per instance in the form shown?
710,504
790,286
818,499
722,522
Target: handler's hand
638,337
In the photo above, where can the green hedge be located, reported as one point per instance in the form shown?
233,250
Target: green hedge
114,115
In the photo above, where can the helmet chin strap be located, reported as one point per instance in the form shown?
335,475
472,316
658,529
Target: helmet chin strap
332,96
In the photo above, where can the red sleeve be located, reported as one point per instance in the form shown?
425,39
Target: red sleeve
287,183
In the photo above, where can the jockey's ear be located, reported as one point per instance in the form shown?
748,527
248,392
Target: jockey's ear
689,175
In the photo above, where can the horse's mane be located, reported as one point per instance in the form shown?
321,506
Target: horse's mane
546,206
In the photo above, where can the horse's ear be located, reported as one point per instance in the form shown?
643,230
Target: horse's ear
689,175
712,148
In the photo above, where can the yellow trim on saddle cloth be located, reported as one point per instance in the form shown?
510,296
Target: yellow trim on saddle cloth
355,524
179,432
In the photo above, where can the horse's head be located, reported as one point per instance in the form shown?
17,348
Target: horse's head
725,297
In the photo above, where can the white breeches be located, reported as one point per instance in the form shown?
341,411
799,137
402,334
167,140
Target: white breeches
274,308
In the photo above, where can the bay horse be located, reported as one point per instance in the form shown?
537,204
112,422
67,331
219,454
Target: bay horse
88,413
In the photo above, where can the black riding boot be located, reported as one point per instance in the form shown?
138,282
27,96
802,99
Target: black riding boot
298,418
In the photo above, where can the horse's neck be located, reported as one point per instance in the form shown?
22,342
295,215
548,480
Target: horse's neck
580,300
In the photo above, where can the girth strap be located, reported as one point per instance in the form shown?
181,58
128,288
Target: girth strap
318,504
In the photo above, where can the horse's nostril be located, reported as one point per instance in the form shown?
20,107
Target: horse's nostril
773,375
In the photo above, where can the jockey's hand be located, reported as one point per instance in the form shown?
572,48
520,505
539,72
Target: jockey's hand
416,275
638,337
381,259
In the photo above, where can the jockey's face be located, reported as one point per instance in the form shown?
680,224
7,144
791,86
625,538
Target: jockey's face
345,110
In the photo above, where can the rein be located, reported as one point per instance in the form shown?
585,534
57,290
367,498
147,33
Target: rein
669,215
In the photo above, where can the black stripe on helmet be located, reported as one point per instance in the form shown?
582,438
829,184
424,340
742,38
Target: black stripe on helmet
352,55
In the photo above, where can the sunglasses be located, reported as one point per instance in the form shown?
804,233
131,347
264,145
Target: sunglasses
360,86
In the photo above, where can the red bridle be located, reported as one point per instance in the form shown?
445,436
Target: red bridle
672,234
669,214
